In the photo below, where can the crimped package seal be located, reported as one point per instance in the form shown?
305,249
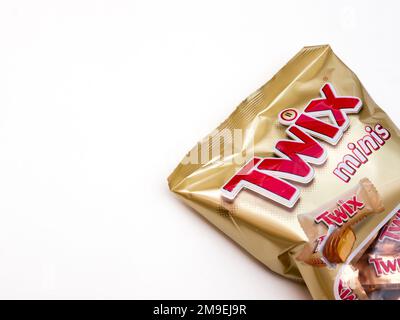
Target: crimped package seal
309,134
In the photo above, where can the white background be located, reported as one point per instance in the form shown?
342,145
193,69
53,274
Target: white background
100,100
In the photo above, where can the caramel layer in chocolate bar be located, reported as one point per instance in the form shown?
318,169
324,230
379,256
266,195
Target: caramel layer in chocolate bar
339,245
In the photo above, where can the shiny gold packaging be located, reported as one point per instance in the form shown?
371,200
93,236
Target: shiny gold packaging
309,135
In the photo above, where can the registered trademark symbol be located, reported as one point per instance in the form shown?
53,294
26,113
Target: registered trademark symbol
288,115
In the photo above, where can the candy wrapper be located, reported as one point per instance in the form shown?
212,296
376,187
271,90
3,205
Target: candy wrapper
303,176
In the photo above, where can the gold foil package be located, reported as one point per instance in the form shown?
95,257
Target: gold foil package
303,176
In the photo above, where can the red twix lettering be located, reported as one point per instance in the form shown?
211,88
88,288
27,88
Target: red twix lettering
344,211
392,230
345,293
385,266
267,176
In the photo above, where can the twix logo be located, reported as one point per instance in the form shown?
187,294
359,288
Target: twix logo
392,230
344,211
345,292
385,266
268,176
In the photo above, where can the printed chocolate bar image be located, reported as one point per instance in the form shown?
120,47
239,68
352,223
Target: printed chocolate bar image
329,228
373,273
379,267
339,245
